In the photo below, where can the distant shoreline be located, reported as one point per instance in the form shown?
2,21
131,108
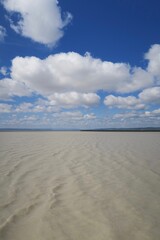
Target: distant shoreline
122,130
83,130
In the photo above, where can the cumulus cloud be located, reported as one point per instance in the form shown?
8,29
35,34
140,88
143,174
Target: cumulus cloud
24,107
156,112
39,20
134,115
29,118
60,120
147,96
153,56
150,95
3,71
58,101
10,88
68,116
3,33
90,116
71,71
36,107
139,79
125,115
151,114
129,102
5,108
137,118
74,116
73,99
70,80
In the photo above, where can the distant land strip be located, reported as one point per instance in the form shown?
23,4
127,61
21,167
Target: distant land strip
149,129
123,130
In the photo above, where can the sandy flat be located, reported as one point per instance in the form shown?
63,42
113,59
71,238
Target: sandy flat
79,186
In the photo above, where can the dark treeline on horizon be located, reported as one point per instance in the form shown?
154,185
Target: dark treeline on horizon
149,129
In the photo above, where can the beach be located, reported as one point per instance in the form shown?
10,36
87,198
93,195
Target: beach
79,185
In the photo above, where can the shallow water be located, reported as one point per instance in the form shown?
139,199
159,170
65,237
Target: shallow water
79,185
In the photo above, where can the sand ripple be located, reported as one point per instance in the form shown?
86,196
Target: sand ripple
79,185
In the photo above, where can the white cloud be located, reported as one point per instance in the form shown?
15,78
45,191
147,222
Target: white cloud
74,99
134,115
67,116
66,72
137,119
2,33
58,101
139,79
154,113
129,102
153,56
90,116
74,116
3,71
29,118
36,107
5,108
147,96
150,95
24,107
40,20
125,115
70,80
157,111
10,88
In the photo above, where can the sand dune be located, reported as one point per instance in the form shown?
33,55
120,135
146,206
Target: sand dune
79,185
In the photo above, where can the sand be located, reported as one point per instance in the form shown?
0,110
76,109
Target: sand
79,186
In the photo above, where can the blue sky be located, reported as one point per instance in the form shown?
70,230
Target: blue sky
77,64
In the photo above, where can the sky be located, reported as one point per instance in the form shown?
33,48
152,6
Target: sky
79,64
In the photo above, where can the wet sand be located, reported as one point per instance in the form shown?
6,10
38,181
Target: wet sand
79,186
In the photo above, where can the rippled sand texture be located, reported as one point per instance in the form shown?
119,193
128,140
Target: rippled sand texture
79,186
